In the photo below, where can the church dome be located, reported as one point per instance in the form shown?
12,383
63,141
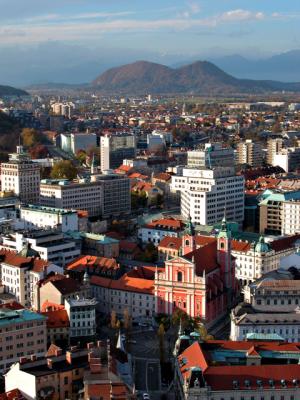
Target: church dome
262,246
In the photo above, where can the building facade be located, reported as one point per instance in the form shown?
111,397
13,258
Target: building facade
250,153
200,282
21,176
206,193
115,148
23,333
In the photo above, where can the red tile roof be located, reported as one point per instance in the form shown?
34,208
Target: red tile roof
128,247
14,394
12,305
240,246
169,242
49,306
140,280
167,223
15,260
84,262
205,258
221,377
57,319
284,243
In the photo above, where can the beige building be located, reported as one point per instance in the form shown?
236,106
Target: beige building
250,153
21,176
23,333
59,288
21,274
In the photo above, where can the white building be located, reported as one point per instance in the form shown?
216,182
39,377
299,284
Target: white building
115,148
290,215
20,275
156,230
288,159
132,292
64,109
33,216
104,195
210,156
21,176
49,244
82,317
73,142
206,193
256,259
272,307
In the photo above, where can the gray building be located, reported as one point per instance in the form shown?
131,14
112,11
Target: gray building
115,148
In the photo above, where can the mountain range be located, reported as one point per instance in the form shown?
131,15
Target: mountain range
200,77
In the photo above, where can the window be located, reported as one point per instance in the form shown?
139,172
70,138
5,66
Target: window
222,245
66,380
187,242
179,276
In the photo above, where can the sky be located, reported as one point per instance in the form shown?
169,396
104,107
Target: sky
170,29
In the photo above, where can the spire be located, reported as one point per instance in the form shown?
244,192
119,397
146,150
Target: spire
190,229
120,345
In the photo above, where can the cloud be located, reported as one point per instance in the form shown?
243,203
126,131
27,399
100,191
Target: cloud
240,15
88,27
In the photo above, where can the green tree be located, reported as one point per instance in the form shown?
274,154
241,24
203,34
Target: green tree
64,170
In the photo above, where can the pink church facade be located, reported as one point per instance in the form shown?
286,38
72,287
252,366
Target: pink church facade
200,282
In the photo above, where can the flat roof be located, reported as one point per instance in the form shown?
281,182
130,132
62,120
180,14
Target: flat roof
8,317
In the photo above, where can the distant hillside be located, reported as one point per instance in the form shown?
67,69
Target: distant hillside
201,77
11,91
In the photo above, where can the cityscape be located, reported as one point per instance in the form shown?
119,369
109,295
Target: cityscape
149,211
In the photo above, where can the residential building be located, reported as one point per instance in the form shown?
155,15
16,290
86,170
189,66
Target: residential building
20,275
64,109
50,245
133,292
210,156
103,195
288,159
34,216
206,193
56,289
93,265
272,211
115,148
58,326
274,146
250,153
200,282
156,230
58,375
23,333
82,317
235,370
21,176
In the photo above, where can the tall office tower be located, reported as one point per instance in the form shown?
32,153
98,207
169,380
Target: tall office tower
211,155
250,153
22,176
274,146
115,148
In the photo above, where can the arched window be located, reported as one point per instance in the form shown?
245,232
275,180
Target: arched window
179,276
187,242
222,245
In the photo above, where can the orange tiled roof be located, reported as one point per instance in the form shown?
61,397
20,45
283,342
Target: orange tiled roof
12,305
57,319
48,305
170,223
83,262
15,260
14,394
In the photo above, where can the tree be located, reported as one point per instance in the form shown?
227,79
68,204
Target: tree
64,169
127,319
161,339
38,151
113,319
81,156
30,137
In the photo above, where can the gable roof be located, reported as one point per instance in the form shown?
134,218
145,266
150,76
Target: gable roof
205,258
92,262
57,319
67,285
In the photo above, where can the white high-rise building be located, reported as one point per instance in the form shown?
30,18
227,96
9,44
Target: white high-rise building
250,153
22,176
115,148
210,156
207,193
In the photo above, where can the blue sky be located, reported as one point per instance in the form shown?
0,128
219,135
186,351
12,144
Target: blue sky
255,28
